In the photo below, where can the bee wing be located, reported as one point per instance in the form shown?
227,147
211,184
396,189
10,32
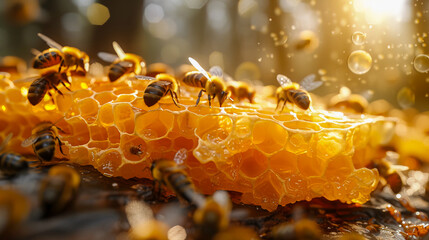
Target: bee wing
216,71
198,67
118,50
51,43
309,84
181,156
35,52
107,57
147,78
27,79
96,69
5,141
125,64
400,167
27,142
283,80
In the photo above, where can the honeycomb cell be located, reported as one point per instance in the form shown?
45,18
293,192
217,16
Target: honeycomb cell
269,137
109,162
187,123
104,97
214,129
99,145
339,168
154,125
82,94
301,125
125,98
283,163
79,155
131,170
80,132
88,107
133,148
106,117
124,91
361,136
98,133
309,166
159,148
123,116
64,102
182,142
329,144
253,163
269,189
114,134
243,127
298,142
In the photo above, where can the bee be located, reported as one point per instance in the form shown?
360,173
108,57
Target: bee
303,229
174,177
307,41
11,163
43,140
14,209
213,216
43,84
66,57
390,174
214,86
295,93
347,102
123,63
157,68
136,150
159,88
238,89
58,189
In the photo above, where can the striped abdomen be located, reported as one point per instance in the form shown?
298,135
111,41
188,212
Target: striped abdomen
44,146
153,93
299,97
118,70
182,186
11,163
195,79
37,90
47,59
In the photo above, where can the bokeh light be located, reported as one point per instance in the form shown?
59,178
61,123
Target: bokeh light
97,14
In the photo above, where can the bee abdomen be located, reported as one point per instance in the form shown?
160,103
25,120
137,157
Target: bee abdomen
11,163
116,71
153,94
44,147
37,91
182,185
195,80
47,59
300,98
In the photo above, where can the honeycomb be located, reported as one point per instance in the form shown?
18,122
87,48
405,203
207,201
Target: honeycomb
270,158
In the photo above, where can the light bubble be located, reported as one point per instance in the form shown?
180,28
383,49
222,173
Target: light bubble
97,14
405,97
153,13
359,62
421,63
358,38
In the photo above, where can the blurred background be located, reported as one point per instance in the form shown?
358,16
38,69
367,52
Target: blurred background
377,48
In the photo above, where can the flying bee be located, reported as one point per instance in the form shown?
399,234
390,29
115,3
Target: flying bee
123,64
238,89
390,174
303,229
58,189
295,93
213,216
174,177
14,209
11,163
160,86
43,140
43,84
66,57
214,86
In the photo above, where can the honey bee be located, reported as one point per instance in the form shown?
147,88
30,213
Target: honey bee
11,163
238,89
58,189
304,229
123,63
174,177
295,93
159,88
213,216
43,140
14,209
347,102
390,174
136,150
43,84
66,57
157,68
214,86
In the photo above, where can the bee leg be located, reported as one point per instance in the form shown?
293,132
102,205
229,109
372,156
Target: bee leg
199,96
52,97
171,93
60,144
56,89
210,101
61,65
278,104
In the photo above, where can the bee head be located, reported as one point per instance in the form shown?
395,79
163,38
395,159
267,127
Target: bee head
223,95
251,96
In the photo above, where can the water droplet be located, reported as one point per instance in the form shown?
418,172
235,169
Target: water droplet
405,97
358,38
360,62
421,63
